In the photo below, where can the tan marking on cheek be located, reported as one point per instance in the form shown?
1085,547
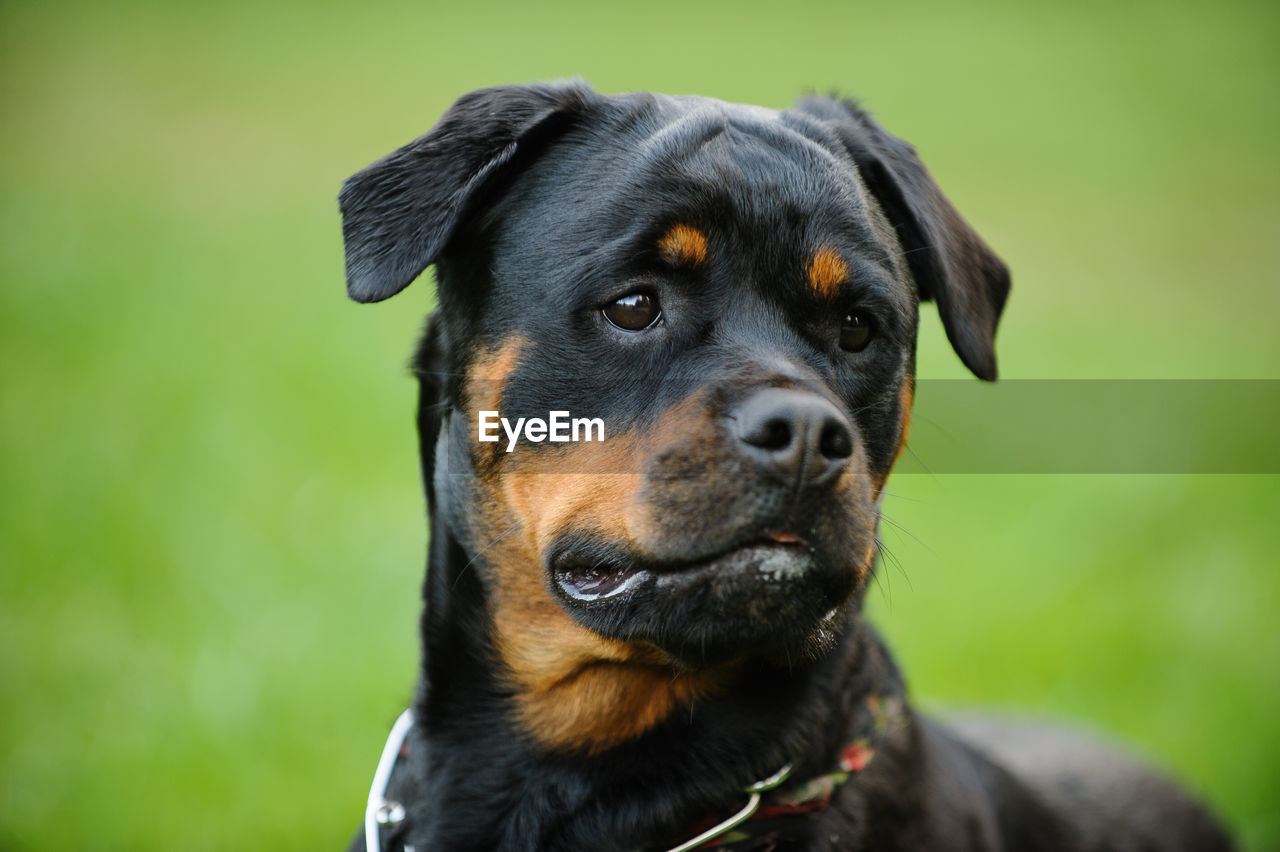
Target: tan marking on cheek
487,376
596,485
856,493
637,696
548,504
683,245
540,644
827,273
868,556
575,689
906,397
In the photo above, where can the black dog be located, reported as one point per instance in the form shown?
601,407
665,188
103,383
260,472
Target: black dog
627,640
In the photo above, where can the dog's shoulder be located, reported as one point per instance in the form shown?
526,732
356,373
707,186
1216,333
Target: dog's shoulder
1108,797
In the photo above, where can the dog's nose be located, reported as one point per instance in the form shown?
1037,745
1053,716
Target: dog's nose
797,435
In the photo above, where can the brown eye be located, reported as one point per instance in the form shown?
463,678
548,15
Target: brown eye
855,332
633,312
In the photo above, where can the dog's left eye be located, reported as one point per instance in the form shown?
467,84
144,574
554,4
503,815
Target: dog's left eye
633,312
855,332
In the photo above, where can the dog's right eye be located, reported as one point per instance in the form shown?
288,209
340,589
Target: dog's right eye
633,312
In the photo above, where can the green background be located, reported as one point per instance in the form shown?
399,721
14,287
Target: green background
211,534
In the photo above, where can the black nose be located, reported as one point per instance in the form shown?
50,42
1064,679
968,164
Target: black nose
795,434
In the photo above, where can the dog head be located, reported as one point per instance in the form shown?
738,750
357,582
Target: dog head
721,302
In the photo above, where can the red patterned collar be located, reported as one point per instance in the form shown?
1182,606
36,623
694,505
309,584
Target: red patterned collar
774,801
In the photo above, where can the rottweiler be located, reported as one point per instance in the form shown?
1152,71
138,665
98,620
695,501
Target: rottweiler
671,366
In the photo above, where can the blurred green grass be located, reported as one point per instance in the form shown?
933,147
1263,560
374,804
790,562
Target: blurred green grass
212,535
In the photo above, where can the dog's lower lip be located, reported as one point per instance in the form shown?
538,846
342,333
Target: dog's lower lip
597,582
593,581
777,561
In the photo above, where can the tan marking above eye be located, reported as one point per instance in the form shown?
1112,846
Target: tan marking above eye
827,272
683,245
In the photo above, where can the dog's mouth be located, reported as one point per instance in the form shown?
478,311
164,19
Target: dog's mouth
588,570
772,594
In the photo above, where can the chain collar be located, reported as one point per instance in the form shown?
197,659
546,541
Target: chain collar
380,810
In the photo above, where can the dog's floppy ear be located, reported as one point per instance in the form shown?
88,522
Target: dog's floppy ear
950,262
399,213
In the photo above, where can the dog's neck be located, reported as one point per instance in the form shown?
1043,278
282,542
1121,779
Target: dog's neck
477,781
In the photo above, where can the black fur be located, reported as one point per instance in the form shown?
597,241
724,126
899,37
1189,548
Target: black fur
539,204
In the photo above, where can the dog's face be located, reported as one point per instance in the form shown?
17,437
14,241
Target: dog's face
731,292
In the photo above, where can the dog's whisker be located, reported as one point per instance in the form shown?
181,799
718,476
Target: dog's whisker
932,474
916,249
898,496
893,560
901,530
482,552
883,584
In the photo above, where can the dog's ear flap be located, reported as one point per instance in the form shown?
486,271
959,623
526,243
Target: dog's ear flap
950,262
399,213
